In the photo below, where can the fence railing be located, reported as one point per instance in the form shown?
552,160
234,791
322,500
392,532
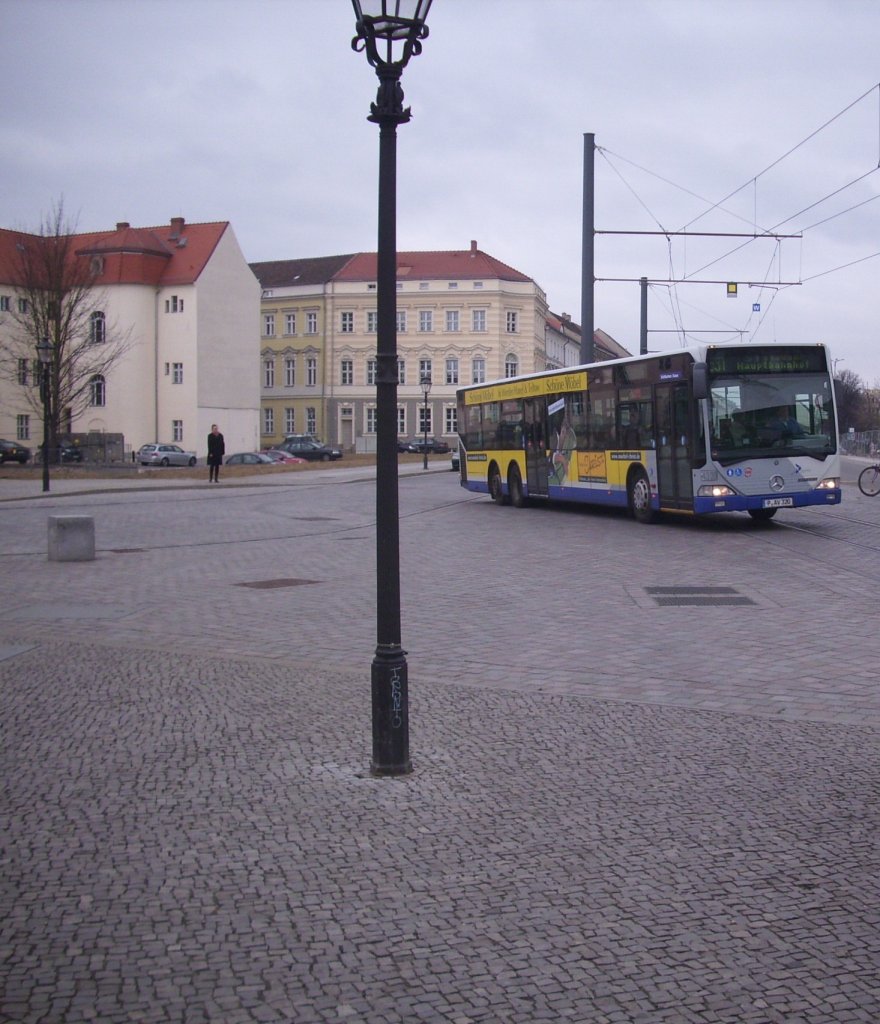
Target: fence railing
865,442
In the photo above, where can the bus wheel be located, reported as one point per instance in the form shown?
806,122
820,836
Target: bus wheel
762,515
495,488
640,497
515,488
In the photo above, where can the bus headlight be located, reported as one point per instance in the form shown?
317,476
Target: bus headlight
830,483
715,491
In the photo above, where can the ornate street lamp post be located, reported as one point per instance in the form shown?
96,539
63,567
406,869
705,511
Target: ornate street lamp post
389,32
426,390
44,353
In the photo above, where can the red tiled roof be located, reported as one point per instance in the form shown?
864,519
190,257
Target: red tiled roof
456,264
174,254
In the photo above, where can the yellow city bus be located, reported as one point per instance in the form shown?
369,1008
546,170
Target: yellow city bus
710,428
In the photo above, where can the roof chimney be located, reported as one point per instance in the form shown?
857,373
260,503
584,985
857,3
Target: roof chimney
177,226
473,248
121,225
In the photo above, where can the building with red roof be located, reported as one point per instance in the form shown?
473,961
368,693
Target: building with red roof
463,316
186,304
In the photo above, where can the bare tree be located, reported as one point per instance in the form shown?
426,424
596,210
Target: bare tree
852,406
59,300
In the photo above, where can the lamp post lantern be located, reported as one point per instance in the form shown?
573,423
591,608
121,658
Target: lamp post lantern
426,390
44,353
389,32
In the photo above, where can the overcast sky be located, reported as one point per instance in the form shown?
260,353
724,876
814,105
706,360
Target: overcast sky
254,111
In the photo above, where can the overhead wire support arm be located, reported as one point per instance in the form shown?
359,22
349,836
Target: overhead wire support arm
704,234
694,280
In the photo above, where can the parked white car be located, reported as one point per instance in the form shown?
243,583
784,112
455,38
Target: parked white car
165,455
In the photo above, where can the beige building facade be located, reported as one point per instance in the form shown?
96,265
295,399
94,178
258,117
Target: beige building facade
463,317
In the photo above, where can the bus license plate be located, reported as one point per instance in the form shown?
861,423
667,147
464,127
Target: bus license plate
778,502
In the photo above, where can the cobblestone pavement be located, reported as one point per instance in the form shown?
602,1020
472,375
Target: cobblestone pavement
630,803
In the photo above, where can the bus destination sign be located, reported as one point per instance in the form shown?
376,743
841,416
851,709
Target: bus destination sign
809,359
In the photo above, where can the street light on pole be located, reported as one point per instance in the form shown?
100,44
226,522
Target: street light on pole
426,390
389,32
44,353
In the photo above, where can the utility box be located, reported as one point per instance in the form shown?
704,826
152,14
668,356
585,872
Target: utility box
71,538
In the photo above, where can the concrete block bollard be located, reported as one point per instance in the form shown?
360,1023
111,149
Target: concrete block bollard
71,538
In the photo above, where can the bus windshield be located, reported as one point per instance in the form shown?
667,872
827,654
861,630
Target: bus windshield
755,414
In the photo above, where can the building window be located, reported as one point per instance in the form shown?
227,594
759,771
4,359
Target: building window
311,420
290,372
97,390
425,420
401,321
478,376
177,373
269,373
424,369
371,372
423,286
478,285
346,323
268,420
511,322
22,428
290,323
452,370
511,365
478,320
177,430
372,321
311,323
453,285
401,371
97,328
426,320
174,305
4,303
23,305
372,419
290,421
268,325
401,421
346,375
451,425
22,373
311,372
452,320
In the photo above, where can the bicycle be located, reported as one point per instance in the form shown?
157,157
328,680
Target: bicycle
869,481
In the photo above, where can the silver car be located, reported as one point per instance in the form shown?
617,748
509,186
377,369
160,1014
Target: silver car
165,455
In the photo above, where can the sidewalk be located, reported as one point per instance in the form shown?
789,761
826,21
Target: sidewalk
190,830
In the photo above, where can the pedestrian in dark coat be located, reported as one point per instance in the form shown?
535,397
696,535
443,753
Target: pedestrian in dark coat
216,451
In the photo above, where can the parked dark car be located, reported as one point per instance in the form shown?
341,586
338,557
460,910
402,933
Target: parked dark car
11,451
432,446
65,452
311,451
250,459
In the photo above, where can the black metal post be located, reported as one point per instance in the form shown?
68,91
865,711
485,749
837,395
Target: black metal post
44,353
426,388
44,395
390,684
390,689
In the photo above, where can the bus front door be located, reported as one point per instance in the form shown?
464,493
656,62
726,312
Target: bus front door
674,432
535,423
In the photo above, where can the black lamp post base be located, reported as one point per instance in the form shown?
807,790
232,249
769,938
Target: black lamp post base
390,713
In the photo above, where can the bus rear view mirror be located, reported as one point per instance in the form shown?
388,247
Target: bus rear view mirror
701,381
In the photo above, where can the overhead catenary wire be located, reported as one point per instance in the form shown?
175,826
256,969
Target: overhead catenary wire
766,232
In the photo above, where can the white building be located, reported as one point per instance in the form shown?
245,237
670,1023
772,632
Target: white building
188,306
